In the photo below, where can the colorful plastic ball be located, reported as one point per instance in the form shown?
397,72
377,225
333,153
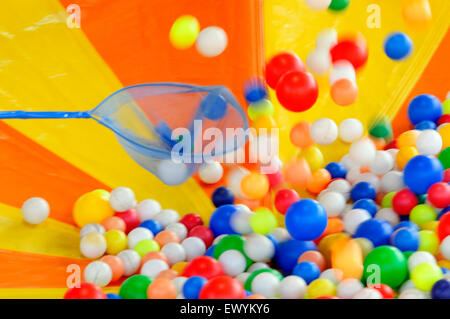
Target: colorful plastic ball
407,224
444,119
382,163
93,245
354,52
114,223
219,222
174,252
417,13
405,239
233,262
255,90
326,39
264,282
285,198
315,257
122,199
388,215
350,130
264,122
336,170
211,41
404,155
162,288
116,241
204,233
324,131
184,32
210,173
444,132
263,107
116,265
288,252
377,231
441,289
339,5
213,106
418,258
194,247
318,5
152,225
367,204
313,156
92,207
35,210
204,266
425,107
429,142
334,203
131,261
421,214
444,157
86,290
240,221
145,246
398,46
321,287
318,61
279,65
444,226
166,236
259,248
113,296
153,268
148,209
427,125
297,173
98,273
292,287
319,180
363,151
92,228
135,287
306,219
342,69
425,275
429,241
347,288
222,196
179,229
222,287
381,128
263,221
255,185
131,219
297,91
362,190
439,195
191,220
404,201
386,291
386,264
354,218
421,172
306,270
167,217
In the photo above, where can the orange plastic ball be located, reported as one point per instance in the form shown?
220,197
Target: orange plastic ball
319,180
179,267
344,92
315,257
404,155
408,138
116,265
300,135
162,288
255,185
115,223
297,173
168,274
335,225
417,13
166,236
154,255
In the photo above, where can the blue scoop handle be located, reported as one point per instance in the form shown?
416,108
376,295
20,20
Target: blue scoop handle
44,115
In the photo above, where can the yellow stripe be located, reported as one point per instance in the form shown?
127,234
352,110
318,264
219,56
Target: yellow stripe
45,65
46,293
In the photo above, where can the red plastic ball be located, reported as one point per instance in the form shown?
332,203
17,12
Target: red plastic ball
131,219
191,220
279,65
275,179
297,91
391,144
439,195
86,290
285,198
404,201
222,287
352,51
203,266
444,119
384,290
443,229
204,233
447,175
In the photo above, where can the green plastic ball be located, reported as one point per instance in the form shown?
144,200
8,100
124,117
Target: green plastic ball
381,128
422,214
422,198
444,157
248,282
229,242
446,107
387,200
428,241
263,107
135,287
386,263
263,221
339,5
145,246
425,275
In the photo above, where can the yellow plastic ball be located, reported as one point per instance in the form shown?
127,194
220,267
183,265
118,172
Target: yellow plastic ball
425,275
263,107
184,32
179,267
264,122
263,221
428,241
404,155
408,138
432,226
321,287
417,13
92,207
444,131
314,157
254,185
116,241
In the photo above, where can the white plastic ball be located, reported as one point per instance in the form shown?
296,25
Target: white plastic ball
368,293
429,142
131,261
210,173
265,284
363,151
347,288
280,234
392,182
122,199
382,163
342,69
93,245
393,152
353,175
318,5
388,215
211,41
167,217
179,229
233,262
242,277
292,287
354,218
318,62
259,248
194,247
413,293
148,209
35,210
326,39
445,247
91,228
219,238
341,186
257,266
350,130
98,273
174,252
409,284
333,202
420,257
324,131
332,274
138,234
179,282
240,221
234,178
171,172
153,268
348,162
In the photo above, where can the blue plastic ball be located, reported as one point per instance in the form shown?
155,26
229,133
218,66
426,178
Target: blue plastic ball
213,106
366,204
421,172
288,252
210,251
255,91
377,231
425,125
152,225
307,270
113,296
248,293
362,190
219,223
425,107
222,196
407,224
336,170
441,289
405,239
398,46
192,287
306,219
